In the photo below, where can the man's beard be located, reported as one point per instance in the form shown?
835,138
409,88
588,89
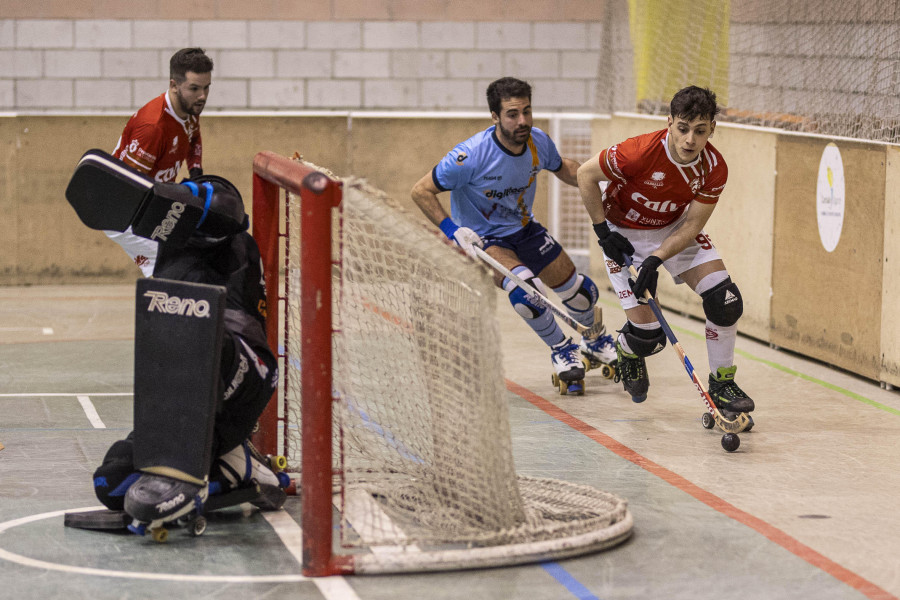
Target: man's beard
510,136
189,108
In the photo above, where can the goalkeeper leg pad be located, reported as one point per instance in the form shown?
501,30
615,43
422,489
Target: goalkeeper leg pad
178,343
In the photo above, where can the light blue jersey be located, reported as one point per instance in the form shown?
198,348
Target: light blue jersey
491,189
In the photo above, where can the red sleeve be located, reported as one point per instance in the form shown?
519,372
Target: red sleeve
616,161
142,147
715,181
195,157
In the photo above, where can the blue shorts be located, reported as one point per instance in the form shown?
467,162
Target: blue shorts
532,244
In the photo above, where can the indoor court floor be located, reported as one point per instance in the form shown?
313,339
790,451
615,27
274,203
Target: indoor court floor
806,508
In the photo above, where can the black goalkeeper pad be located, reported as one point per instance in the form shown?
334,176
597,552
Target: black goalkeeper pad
107,194
177,351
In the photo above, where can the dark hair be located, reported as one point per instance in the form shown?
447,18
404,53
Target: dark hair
505,88
692,102
189,59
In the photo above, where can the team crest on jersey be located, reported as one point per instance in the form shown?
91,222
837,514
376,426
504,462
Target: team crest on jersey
656,180
696,184
461,157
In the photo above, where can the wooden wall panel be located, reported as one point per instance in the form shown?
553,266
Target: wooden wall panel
890,298
827,305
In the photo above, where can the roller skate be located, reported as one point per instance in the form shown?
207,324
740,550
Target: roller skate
728,397
244,466
631,370
154,501
600,353
569,376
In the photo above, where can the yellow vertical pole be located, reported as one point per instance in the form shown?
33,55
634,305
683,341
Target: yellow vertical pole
679,43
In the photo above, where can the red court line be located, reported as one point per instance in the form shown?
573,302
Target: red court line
869,589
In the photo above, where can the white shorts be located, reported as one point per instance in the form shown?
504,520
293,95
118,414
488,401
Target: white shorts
645,241
141,250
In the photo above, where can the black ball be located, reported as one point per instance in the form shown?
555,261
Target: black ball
730,441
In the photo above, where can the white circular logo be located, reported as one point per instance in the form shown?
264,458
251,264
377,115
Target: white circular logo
830,197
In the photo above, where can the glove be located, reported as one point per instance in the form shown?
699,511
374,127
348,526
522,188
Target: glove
464,237
615,245
646,279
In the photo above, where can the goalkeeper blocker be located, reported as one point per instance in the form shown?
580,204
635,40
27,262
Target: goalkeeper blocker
109,195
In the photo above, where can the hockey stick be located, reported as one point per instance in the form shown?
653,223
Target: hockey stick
588,332
742,421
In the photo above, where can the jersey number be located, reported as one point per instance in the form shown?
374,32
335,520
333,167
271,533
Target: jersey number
704,241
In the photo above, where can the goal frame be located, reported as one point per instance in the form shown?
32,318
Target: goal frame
558,519
274,177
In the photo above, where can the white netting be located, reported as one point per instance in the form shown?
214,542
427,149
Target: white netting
816,66
423,453
568,222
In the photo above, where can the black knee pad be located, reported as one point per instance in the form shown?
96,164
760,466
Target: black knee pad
644,342
723,304
116,474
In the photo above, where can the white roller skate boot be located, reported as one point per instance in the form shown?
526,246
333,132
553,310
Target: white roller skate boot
566,360
600,351
245,466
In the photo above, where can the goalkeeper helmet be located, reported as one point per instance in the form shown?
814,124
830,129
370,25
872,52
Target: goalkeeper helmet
223,212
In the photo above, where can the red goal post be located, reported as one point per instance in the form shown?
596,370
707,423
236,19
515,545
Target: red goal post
274,177
393,406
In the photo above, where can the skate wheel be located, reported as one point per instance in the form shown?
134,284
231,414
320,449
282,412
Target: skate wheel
585,361
198,526
160,534
559,384
731,442
277,463
750,424
638,399
608,372
707,420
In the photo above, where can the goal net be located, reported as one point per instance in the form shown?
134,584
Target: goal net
825,66
394,407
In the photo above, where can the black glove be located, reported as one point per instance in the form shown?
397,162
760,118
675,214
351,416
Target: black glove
646,279
195,173
614,244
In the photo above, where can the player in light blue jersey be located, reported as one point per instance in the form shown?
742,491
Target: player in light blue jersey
491,178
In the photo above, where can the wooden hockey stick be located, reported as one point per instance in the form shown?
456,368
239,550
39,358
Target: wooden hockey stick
588,332
742,421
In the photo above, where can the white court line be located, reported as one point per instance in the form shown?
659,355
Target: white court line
40,564
90,412
333,588
65,394
43,330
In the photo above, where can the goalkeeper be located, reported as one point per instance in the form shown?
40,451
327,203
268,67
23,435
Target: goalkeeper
219,252
663,189
492,179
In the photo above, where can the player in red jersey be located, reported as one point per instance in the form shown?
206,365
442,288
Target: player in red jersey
164,135
663,188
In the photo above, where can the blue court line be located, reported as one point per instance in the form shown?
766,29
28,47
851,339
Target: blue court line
570,583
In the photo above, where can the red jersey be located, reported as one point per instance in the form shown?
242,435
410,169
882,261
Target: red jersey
157,142
648,189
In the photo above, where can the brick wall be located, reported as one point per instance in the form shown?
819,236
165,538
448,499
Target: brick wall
371,61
